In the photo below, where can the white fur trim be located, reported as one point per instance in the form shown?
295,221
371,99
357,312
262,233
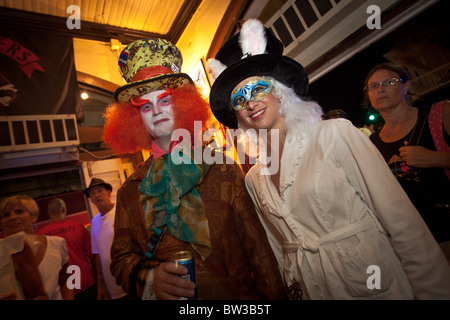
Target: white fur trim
252,38
215,68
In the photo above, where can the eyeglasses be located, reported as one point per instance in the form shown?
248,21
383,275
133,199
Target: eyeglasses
386,83
254,90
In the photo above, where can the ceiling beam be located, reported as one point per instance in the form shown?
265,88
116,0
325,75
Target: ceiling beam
94,81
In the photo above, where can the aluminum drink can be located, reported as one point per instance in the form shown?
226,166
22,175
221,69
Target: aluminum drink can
186,259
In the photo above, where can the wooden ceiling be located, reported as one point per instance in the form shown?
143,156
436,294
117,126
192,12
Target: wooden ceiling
126,20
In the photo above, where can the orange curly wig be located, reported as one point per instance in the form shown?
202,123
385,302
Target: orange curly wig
125,132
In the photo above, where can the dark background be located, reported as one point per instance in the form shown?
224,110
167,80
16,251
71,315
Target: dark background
342,88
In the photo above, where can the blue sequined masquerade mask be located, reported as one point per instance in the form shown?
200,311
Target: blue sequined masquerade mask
254,90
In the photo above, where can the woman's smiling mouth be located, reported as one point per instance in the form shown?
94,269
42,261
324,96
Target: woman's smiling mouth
257,115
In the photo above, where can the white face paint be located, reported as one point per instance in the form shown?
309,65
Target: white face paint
157,114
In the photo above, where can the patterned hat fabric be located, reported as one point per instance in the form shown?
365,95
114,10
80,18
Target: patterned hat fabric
149,65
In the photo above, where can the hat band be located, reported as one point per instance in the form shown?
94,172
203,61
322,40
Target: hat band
150,72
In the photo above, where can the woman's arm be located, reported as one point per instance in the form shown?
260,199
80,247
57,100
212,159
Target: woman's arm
27,272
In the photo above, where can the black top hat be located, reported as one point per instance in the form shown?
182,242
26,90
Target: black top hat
94,183
254,51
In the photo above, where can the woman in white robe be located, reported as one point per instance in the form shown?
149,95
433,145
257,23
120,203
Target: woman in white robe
338,222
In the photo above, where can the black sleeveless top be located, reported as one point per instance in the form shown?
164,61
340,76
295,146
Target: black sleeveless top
428,188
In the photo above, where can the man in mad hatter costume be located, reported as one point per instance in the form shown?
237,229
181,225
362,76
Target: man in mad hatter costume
163,207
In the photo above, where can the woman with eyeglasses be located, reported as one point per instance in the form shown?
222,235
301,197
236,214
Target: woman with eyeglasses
415,144
339,223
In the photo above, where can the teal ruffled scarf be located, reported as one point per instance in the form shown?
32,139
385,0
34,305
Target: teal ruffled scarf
169,197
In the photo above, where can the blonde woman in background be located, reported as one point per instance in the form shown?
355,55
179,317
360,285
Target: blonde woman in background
17,216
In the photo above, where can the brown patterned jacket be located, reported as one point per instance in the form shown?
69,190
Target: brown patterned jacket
241,264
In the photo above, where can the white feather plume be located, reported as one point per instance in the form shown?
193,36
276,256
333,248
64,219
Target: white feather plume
252,38
215,68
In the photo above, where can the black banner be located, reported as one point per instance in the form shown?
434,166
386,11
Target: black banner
37,73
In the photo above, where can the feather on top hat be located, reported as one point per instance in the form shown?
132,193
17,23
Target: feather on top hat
149,65
254,51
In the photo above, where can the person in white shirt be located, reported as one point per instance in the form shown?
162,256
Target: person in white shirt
102,234
338,221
